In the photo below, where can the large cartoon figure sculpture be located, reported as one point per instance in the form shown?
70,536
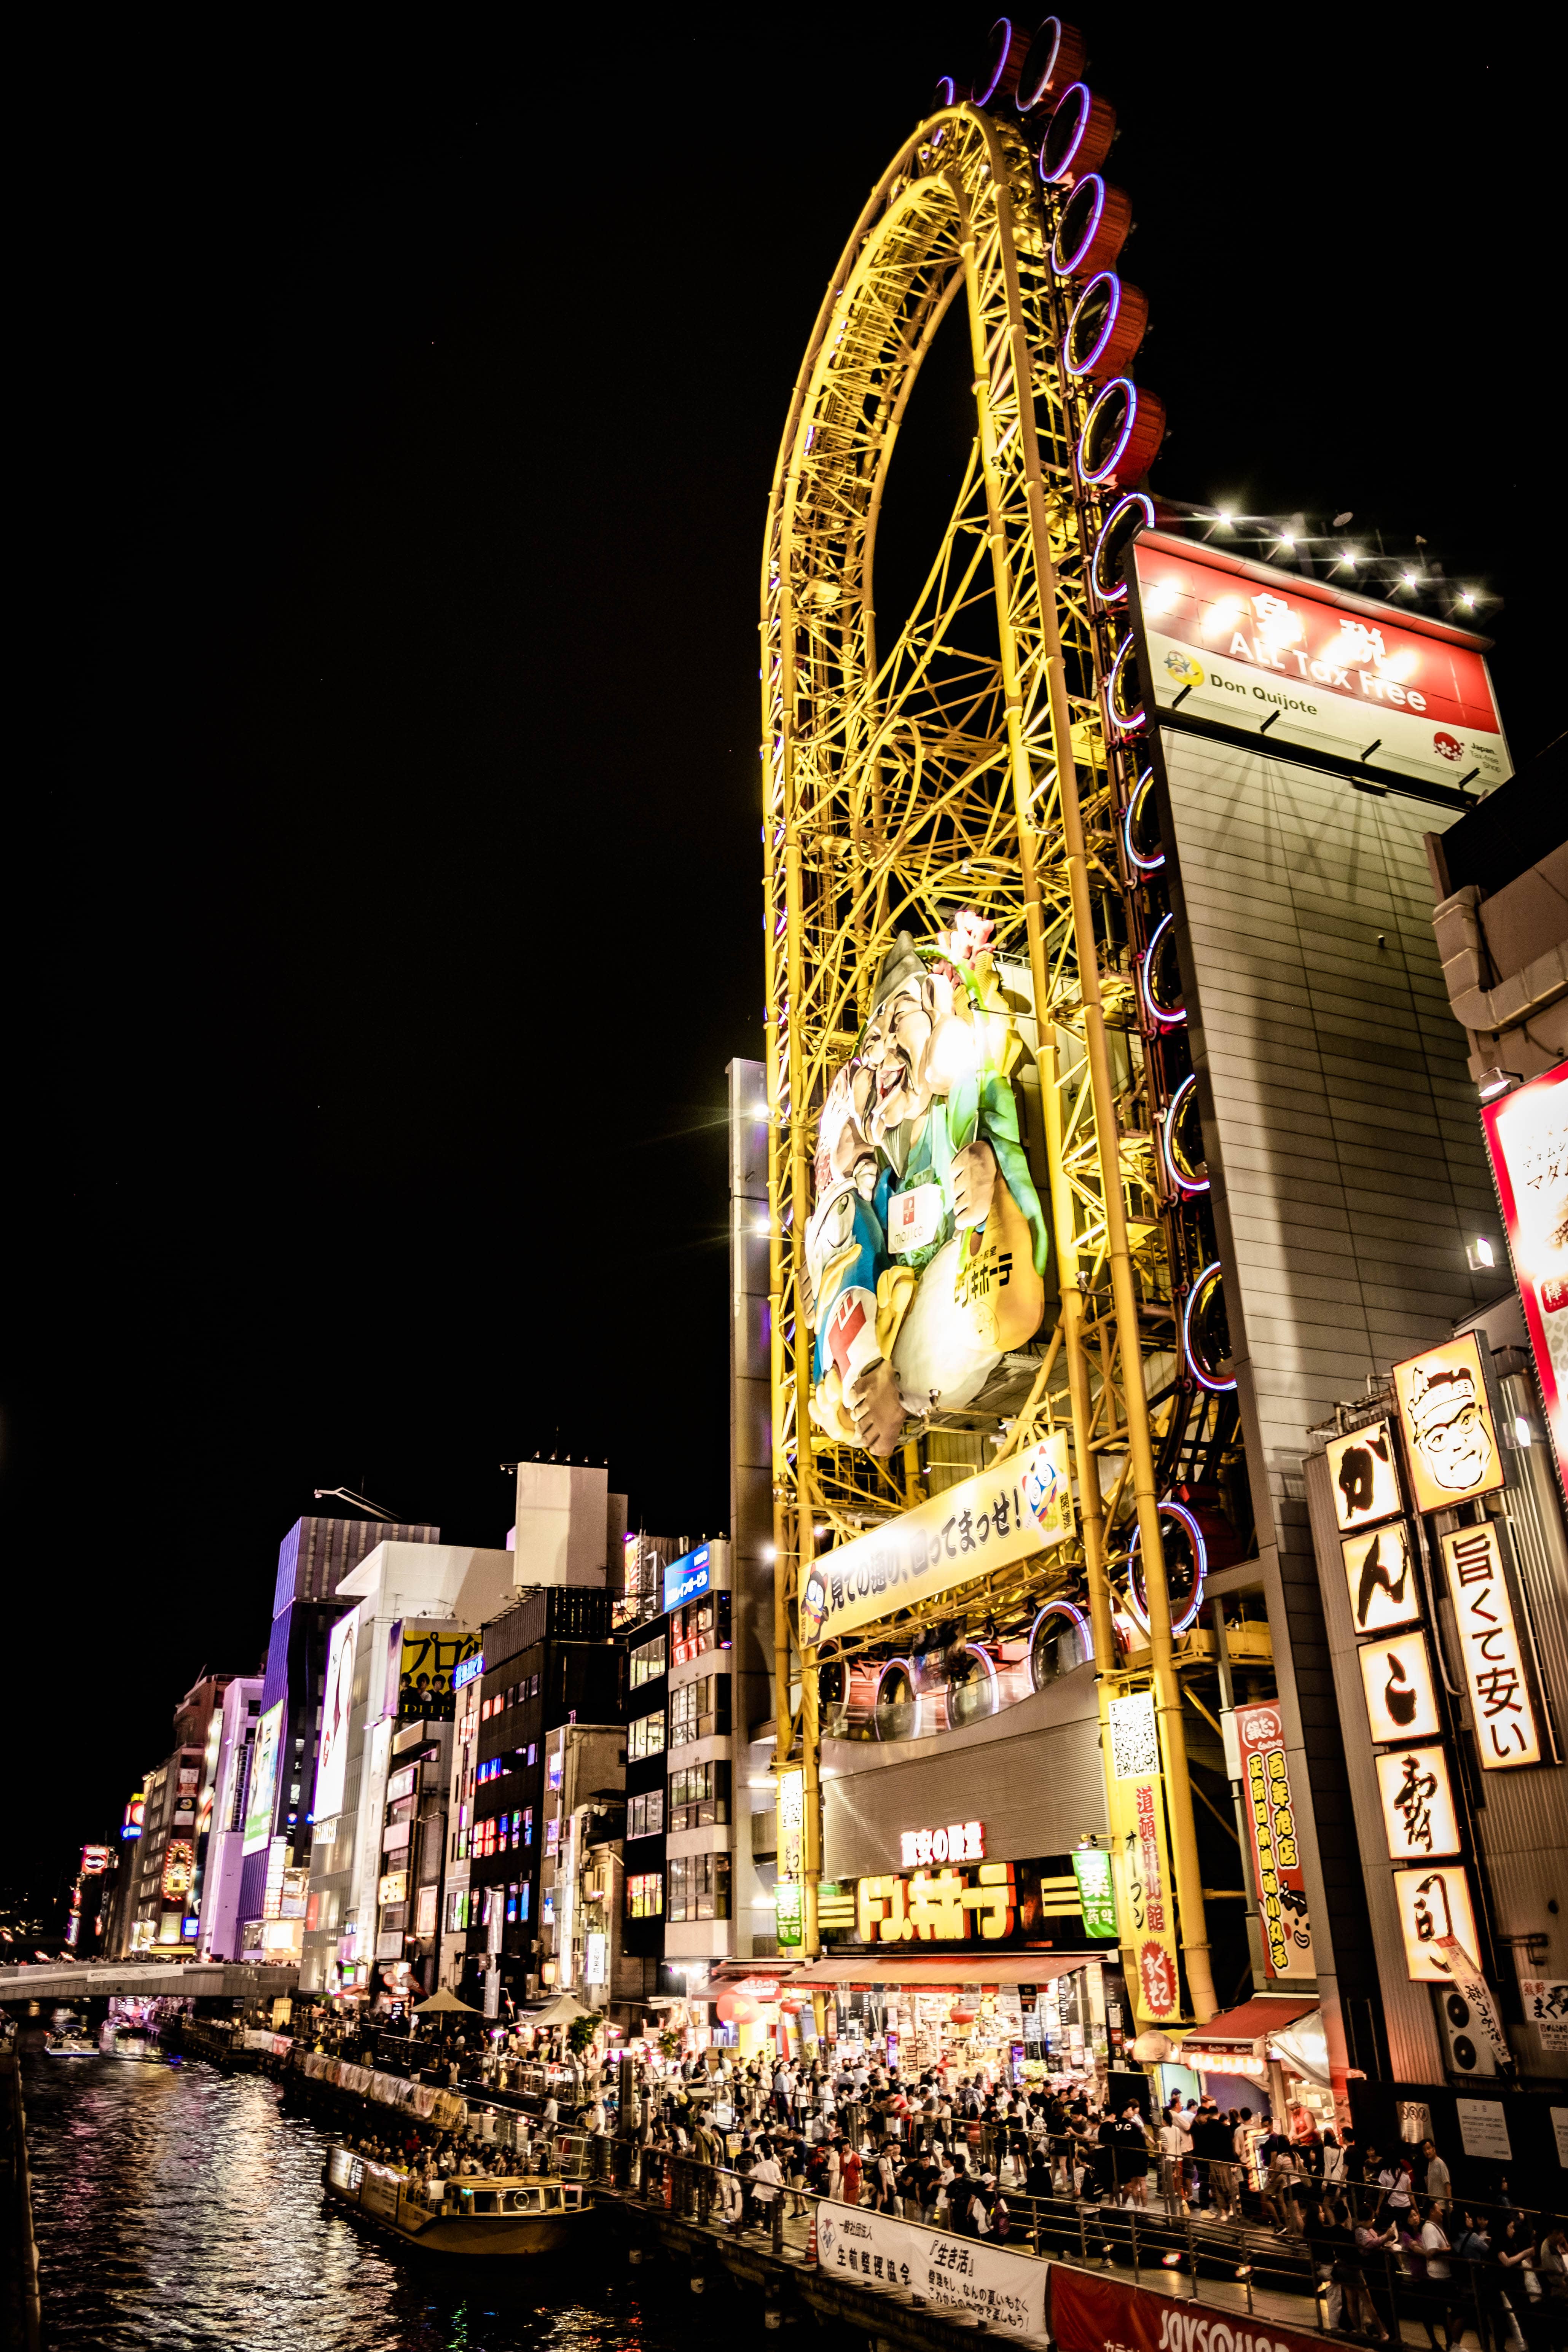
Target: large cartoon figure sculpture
927,1248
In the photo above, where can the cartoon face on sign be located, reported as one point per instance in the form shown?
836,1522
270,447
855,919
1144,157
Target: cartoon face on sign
1443,1403
926,1252
1381,1574
1401,1702
1365,1480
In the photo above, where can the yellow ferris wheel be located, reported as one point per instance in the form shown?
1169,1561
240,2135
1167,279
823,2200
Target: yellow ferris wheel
962,791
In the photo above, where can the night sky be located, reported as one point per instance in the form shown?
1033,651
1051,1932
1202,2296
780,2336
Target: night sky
397,433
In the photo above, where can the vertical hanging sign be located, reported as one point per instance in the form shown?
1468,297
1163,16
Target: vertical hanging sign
1281,1887
790,1799
1146,1897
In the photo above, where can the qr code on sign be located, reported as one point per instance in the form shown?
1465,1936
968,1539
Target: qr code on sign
1134,1743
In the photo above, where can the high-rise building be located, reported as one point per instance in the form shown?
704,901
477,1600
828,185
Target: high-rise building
312,1561
226,1791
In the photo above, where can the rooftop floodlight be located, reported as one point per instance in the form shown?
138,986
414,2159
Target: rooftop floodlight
1494,1082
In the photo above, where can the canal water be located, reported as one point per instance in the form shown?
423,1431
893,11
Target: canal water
175,2208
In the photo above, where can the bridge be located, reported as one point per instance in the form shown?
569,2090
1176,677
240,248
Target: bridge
208,1980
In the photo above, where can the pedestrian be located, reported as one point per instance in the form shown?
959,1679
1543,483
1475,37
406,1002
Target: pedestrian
849,2170
1438,2182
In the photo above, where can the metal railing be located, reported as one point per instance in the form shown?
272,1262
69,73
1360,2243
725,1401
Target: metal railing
1174,2242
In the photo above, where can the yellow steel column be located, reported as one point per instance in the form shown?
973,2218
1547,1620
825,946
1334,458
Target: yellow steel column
1167,1696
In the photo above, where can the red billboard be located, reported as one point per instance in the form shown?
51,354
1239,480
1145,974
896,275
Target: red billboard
1089,2313
1244,645
1527,1136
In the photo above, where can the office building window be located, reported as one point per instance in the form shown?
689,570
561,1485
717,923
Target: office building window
645,1815
700,1709
645,1894
698,1887
699,1795
646,1736
648,1663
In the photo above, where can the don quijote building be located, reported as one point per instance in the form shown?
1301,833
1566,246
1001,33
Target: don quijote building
1117,1156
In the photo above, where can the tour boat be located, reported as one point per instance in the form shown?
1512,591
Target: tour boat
526,2215
71,2044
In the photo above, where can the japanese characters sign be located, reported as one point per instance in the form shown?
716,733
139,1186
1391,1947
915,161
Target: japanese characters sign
1096,1890
959,1842
1450,1436
1239,643
1419,1818
938,1907
1527,1135
1146,1897
1506,1730
1401,1697
1380,1572
1434,1906
1000,2290
791,1825
1546,2008
179,1862
1364,1476
986,1522
1467,1980
1281,1885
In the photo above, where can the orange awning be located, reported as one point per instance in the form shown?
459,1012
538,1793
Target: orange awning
1238,2029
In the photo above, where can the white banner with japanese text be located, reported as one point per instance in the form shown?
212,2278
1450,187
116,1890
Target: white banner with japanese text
974,2275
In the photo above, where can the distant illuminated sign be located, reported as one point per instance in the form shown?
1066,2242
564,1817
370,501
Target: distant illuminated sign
337,1702
468,1670
1401,1698
1364,1477
1384,1580
1527,1135
1447,1421
95,1860
1419,1817
688,1577
263,1781
596,1959
1434,1906
942,1907
791,1863
179,1868
959,1842
1502,1701
1096,1890
135,1813
1275,1851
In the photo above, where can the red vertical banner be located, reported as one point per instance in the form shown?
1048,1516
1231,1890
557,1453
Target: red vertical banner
1276,1855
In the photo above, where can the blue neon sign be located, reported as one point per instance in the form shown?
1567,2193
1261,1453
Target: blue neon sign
686,1578
467,1669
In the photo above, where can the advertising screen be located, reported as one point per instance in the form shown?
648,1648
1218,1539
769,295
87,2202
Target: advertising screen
1239,644
263,1781
429,1660
927,1247
337,1702
1527,1136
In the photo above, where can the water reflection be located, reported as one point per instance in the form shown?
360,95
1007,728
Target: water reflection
176,2208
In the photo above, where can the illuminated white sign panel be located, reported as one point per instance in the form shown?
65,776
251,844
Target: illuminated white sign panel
1419,1817
1507,1731
1364,1477
1384,1582
959,1842
1401,1698
1527,1135
1433,1908
336,1705
1239,643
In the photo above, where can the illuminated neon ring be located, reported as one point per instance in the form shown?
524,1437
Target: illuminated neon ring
1124,692
1117,533
905,1667
1163,1017
1106,327
1137,1592
1186,1094
971,1650
1056,56
945,95
1078,1622
1004,52
1132,823
1093,229
1077,136
1121,434
1205,1287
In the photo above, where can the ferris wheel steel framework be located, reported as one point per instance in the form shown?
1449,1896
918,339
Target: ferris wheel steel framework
897,782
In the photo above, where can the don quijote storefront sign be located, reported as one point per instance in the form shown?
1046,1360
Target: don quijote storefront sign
1240,644
1091,2313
